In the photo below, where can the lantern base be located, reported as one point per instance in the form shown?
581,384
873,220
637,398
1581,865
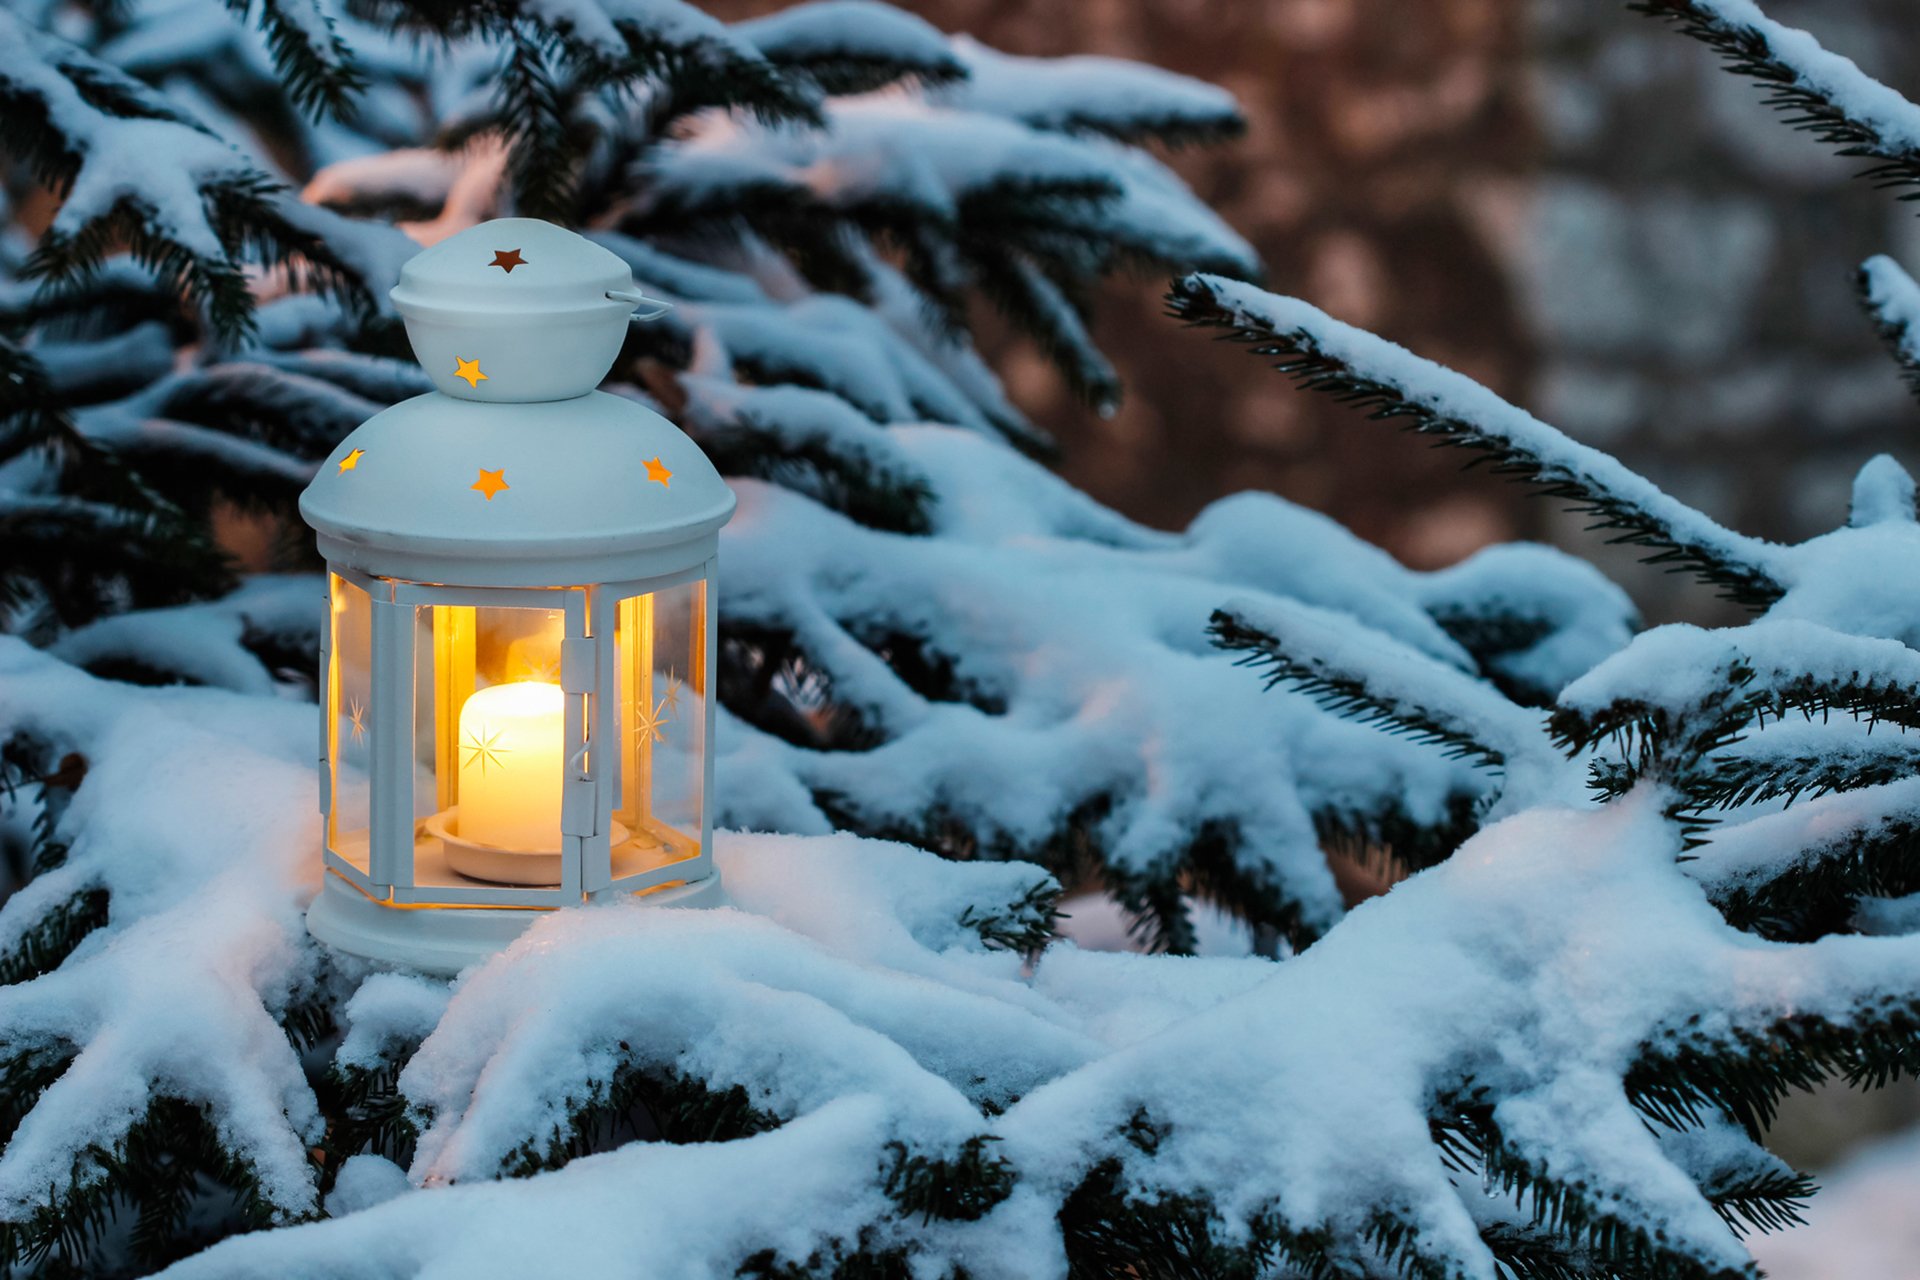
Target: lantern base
441,941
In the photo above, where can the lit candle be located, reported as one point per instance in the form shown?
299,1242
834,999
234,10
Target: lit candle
510,747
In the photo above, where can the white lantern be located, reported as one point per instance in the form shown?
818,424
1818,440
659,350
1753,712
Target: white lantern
517,675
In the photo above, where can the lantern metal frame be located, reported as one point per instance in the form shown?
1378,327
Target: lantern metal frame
383,911
589,683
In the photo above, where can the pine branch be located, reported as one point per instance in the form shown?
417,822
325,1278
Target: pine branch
675,52
1769,1201
1039,308
1892,299
1741,680
365,1111
43,945
853,46
962,1188
297,416
317,69
80,560
644,1103
1385,837
155,1171
1387,383
1758,775
1109,97
1355,676
1817,91
1800,874
1615,1242
534,114
1025,926
1110,1230
1528,1252
89,132
1743,1072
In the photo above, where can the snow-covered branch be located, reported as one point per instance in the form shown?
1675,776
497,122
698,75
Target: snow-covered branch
1818,90
1388,382
1893,300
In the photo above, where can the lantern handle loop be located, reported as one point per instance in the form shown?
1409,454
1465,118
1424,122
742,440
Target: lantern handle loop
636,297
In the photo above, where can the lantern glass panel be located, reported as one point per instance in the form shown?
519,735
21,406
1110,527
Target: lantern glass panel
660,658
492,735
350,718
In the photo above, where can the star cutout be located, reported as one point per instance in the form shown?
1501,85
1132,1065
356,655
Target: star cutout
649,726
483,748
352,460
672,700
470,370
507,260
357,717
491,482
656,470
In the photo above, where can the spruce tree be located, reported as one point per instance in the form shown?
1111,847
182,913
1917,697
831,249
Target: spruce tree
1660,883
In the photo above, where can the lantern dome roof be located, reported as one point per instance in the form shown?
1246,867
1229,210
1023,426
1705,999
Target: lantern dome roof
597,488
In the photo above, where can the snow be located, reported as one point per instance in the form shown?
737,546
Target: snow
1453,395
888,149
1882,494
858,29
647,1209
365,1180
163,163
203,643
603,25
1894,298
176,995
1773,846
1539,963
1833,78
1100,657
877,147
1682,666
1862,578
1580,616
1569,928
1083,92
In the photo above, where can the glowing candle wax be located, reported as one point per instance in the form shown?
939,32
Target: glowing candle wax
511,737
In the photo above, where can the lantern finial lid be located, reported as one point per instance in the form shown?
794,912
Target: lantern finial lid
516,310
517,266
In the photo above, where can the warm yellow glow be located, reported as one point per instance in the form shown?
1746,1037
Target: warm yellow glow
657,470
491,482
352,460
511,742
470,370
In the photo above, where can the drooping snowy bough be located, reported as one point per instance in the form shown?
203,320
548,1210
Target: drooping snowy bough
1660,882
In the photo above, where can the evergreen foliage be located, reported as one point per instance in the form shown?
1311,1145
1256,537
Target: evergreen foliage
1684,862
